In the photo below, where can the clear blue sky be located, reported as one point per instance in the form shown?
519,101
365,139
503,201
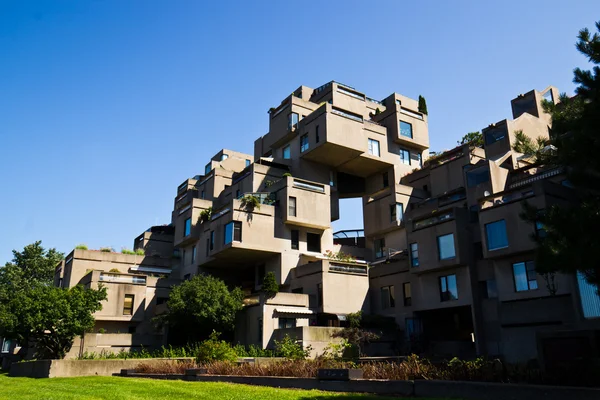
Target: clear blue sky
107,106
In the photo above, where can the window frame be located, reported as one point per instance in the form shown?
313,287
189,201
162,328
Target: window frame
372,145
187,227
128,310
404,160
487,235
287,148
414,261
304,145
446,295
407,300
234,230
530,275
292,206
381,243
388,293
440,248
295,241
410,128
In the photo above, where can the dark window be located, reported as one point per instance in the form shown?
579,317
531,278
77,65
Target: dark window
478,250
248,162
212,240
320,294
379,248
495,233
187,277
207,169
478,176
488,289
386,179
292,206
202,195
540,229
237,194
396,212
405,156
448,288
287,323
298,290
128,304
388,299
407,294
313,242
414,254
207,246
194,254
317,138
261,271
474,213
292,120
303,143
494,135
525,276
295,239
131,329
233,232
188,227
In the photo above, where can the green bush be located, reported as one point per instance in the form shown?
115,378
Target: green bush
291,349
127,251
270,285
107,249
214,349
140,252
81,247
285,174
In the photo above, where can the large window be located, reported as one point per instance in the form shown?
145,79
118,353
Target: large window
495,233
292,206
386,179
446,246
448,288
287,154
128,304
388,297
407,294
6,344
396,212
233,232
212,240
313,242
478,176
295,239
406,129
194,254
525,276
414,254
405,156
494,135
292,120
303,143
188,227
379,247
207,169
287,323
374,147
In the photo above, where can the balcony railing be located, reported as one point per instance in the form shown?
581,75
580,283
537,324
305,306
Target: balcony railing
348,269
411,113
310,186
424,223
339,112
116,278
505,198
536,177
267,198
374,101
351,94
354,233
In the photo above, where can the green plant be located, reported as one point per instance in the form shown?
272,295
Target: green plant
81,247
377,111
214,349
206,214
422,105
339,256
140,252
115,270
286,174
270,285
250,202
127,251
291,349
524,144
473,138
107,249
101,330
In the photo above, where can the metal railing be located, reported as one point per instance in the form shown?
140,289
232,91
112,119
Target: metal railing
137,280
536,177
349,233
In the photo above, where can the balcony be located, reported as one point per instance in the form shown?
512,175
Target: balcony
304,203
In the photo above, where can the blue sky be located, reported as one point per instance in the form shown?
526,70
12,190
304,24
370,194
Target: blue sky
107,106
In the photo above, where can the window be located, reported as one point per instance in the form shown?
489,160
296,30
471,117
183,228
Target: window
525,276
188,227
207,246
317,138
237,194
387,297
488,289
374,147
202,195
292,120
414,254
303,143
295,239
224,157
292,206
207,169
248,162
313,242
233,232
212,240
386,179
448,289
477,176
495,233
494,135
420,160
407,293
287,154
405,156
396,212
406,129
128,304
540,229
193,254
331,178
6,344
320,294
446,246
379,247
548,96
287,323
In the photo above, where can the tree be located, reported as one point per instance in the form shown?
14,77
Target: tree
269,285
422,105
524,144
570,242
197,307
474,138
354,334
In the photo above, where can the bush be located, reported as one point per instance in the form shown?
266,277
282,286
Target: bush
291,349
205,215
250,202
140,252
127,251
81,247
214,349
286,174
107,249
270,285
114,270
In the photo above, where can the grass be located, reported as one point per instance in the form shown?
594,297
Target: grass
110,388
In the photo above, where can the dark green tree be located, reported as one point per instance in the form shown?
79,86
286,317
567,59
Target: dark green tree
422,105
570,242
474,138
269,285
197,307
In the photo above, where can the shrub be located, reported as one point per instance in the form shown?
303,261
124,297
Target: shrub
81,247
285,174
339,256
165,367
269,285
127,251
206,214
101,330
107,249
114,270
250,202
291,349
140,252
214,349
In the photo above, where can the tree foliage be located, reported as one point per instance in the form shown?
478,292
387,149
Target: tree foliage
269,285
422,105
524,144
473,138
572,236
197,307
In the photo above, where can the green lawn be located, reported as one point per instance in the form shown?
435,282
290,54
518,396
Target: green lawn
130,388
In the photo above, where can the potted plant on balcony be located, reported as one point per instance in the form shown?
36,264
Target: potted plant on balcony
269,286
250,202
205,215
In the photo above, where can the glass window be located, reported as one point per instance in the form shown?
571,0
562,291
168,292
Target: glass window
420,160
248,162
406,129
590,299
540,229
379,247
194,254
386,179
303,143
287,154
477,176
317,138
287,323
292,120
495,233
212,240
448,288
202,195
525,276
446,246
407,294
292,206
388,298
224,157
396,212
128,304
374,147
207,169
295,239
6,344
233,232
188,227
488,289
331,178
494,135
319,294
548,96
405,156
313,242
414,254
